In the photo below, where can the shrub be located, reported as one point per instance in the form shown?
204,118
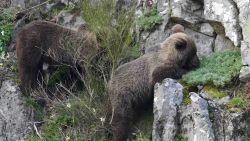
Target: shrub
217,69
6,27
149,19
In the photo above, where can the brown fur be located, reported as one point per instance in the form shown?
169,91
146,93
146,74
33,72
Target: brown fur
131,85
44,42
175,29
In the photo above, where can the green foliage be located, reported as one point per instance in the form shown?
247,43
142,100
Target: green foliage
32,138
149,19
112,28
246,139
237,104
187,88
218,69
78,118
214,92
6,27
179,137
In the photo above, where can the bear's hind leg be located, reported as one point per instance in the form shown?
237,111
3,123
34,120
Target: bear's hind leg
122,115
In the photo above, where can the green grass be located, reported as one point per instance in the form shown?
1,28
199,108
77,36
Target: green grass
78,118
214,92
149,19
217,69
113,29
237,103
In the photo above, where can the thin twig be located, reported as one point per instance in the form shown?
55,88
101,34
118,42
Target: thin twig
37,132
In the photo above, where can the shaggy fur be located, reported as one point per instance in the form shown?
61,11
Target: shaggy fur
131,85
43,42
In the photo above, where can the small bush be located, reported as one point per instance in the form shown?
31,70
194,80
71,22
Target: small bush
218,69
149,19
6,27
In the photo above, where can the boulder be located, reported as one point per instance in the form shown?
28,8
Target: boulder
205,119
14,115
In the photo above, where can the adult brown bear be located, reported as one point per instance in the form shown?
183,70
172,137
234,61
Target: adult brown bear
131,85
42,42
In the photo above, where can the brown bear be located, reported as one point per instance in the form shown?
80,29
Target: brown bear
131,85
175,29
42,42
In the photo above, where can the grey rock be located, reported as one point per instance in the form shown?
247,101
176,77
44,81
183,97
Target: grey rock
202,125
205,95
14,115
245,53
18,3
70,20
226,12
189,10
163,7
168,98
150,39
245,74
4,3
154,39
203,42
223,100
153,48
207,29
186,122
202,120
222,43
229,126
25,3
244,17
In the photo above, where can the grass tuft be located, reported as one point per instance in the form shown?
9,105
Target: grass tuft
149,19
237,104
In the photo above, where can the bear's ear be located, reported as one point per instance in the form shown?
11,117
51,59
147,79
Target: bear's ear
181,44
